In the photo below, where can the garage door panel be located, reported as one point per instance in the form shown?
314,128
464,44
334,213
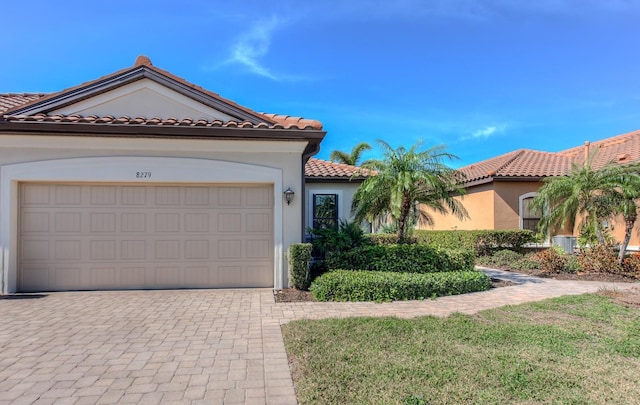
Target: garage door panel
103,277
35,250
100,222
122,236
35,222
132,277
261,275
38,279
69,277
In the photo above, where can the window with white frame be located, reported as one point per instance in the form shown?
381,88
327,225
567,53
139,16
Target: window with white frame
529,217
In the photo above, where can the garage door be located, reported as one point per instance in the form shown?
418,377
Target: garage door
93,237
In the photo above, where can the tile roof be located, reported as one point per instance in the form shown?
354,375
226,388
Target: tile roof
624,148
322,169
275,122
532,164
11,100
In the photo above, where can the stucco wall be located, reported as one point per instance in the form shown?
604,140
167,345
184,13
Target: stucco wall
281,159
478,201
507,200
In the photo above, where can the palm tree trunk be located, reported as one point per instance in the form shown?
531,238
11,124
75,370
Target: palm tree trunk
598,228
628,228
405,209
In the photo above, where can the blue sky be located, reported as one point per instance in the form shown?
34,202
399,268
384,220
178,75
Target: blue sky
483,77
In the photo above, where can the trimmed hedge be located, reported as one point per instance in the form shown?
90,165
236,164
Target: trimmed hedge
364,285
482,242
402,259
299,259
388,239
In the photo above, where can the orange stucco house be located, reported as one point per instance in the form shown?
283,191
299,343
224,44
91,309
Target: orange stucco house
499,189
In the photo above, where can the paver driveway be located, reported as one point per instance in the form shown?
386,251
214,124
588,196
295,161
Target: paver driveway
192,346
188,346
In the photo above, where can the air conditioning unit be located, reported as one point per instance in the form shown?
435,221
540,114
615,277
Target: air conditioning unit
567,243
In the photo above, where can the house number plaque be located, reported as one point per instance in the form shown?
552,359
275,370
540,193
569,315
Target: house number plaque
143,175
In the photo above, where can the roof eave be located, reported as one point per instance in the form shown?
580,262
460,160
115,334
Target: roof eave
329,179
314,137
491,179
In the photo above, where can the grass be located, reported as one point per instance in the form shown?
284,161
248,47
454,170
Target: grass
569,350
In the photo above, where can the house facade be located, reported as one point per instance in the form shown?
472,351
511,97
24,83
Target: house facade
499,190
140,179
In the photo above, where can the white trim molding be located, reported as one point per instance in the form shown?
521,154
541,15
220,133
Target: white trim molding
520,206
124,169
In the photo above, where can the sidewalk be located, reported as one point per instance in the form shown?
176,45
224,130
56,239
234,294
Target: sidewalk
529,289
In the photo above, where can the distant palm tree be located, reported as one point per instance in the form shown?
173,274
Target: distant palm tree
352,158
403,180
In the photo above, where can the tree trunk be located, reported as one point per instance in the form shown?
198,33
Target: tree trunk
628,228
597,228
405,209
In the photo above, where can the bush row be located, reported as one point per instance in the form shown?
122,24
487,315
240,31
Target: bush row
402,259
482,242
389,239
350,285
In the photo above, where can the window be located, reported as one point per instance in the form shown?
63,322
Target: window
529,217
325,211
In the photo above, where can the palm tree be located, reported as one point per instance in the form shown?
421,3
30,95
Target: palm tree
403,180
585,192
623,201
352,158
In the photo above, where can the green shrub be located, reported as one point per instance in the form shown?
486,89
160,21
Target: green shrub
501,258
482,242
573,264
599,259
346,236
299,259
553,259
357,285
389,239
527,262
402,258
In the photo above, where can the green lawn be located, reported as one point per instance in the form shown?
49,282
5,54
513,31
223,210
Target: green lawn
570,350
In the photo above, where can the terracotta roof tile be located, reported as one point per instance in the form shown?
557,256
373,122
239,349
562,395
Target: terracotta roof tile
294,122
289,123
322,169
275,121
527,163
610,149
11,100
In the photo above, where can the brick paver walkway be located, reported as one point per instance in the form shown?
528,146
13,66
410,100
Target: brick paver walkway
194,346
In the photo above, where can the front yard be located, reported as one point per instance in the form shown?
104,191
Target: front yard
574,349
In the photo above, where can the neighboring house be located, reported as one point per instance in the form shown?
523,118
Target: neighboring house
140,179
500,189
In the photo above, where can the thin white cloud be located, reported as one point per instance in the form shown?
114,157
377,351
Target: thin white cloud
254,45
486,132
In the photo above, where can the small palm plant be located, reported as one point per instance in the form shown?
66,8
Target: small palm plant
404,179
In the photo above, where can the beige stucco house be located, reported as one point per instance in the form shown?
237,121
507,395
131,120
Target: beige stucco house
500,189
140,179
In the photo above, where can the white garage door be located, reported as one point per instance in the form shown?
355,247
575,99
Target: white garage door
92,237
